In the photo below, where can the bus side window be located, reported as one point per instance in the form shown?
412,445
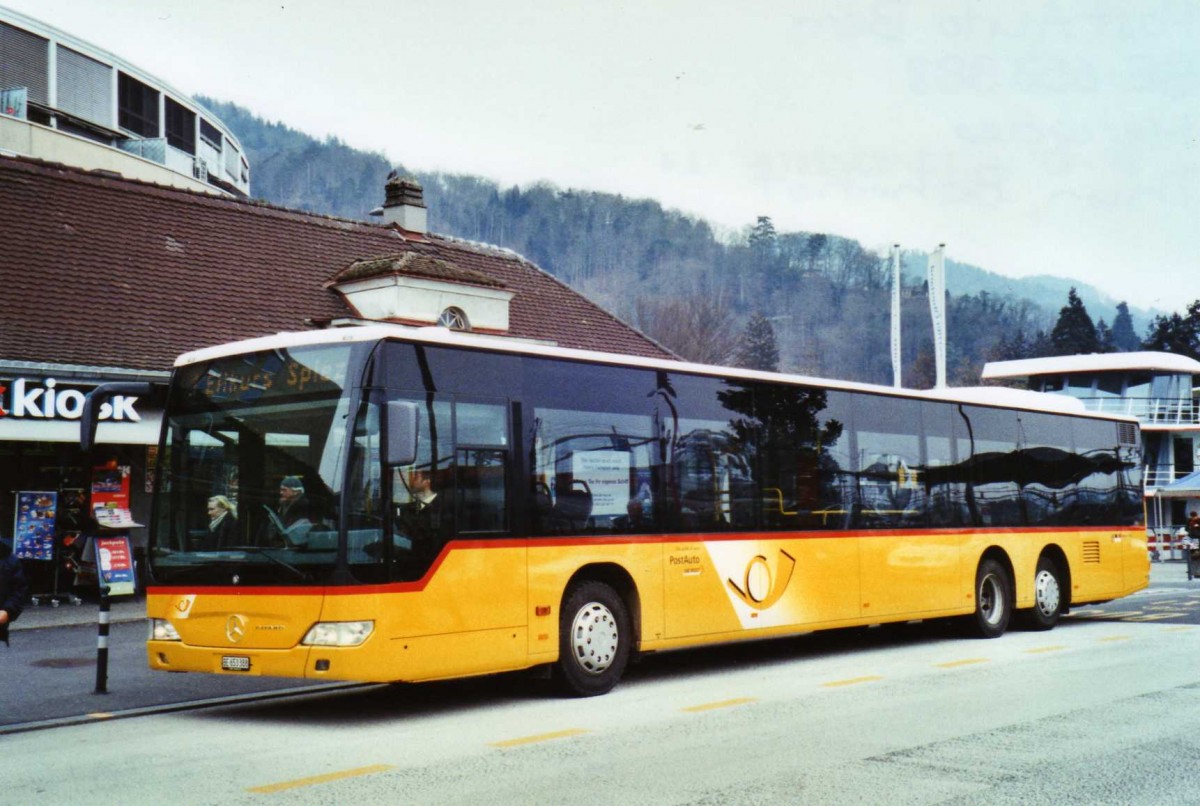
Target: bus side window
482,483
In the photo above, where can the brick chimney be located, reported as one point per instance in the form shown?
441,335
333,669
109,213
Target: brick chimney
404,204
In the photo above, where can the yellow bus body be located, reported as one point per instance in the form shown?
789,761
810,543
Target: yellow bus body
494,606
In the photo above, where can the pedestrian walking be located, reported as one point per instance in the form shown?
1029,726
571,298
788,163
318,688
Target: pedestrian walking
13,588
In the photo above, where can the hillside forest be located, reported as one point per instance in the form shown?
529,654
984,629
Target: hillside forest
806,302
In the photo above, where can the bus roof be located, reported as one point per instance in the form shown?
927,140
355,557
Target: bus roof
979,395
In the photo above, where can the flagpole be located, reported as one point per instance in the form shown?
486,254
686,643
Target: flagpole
896,381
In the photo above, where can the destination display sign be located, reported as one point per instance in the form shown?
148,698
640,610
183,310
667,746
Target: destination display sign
263,376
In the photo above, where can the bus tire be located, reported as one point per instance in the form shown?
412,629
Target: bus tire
593,641
1048,598
993,600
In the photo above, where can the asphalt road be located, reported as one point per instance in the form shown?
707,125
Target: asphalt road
48,674
1101,710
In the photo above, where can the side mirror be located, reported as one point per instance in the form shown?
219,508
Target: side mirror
91,415
402,433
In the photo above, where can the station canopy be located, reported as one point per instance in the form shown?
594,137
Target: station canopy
1186,487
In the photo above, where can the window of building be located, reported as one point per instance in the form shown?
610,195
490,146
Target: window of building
84,87
26,62
210,134
181,126
455,319
137,106
1109,384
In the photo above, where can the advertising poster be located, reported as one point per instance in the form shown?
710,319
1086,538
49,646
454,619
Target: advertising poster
114,561
607,475
110,486
110,497
33,531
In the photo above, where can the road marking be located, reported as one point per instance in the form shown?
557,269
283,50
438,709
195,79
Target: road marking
1180,628
1113,638
541,737
954,664
1040,649
853,681
319,779
712,706
1157,616
1097,614
100,715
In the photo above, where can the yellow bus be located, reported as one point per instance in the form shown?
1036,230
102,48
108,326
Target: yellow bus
385,504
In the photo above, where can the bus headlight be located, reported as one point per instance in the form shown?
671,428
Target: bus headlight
338,633
162,630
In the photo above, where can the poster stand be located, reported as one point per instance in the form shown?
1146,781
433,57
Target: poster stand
35,539
115,569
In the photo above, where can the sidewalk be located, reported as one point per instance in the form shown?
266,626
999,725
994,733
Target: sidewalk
1166,574
125,608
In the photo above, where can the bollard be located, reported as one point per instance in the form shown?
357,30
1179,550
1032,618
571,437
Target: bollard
102,644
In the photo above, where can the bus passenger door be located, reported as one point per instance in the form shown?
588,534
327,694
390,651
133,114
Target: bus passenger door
453,544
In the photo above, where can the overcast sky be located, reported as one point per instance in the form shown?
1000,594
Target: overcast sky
1030,137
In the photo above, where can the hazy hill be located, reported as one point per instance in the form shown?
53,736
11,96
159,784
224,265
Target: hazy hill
826,296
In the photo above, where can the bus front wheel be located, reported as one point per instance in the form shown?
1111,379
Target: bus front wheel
594,639
993,600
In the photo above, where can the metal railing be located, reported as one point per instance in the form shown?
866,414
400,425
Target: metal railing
1154,410
1161,475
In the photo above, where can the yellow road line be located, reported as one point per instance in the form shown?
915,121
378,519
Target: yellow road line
852,681
100,715
1157,616
1113,638
712,706
954,664
1180,628
1102,614
541,737
319,779
1041,649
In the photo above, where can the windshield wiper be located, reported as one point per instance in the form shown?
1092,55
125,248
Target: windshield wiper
303,576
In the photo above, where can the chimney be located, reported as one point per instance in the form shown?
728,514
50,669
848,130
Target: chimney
404,204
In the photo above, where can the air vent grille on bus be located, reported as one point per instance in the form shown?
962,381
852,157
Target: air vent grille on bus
1126,434
1091,551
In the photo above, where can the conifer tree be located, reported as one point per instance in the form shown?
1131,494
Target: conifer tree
1074,333
1124,339
1176,333
758,348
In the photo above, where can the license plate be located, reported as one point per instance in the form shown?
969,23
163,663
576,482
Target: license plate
235,663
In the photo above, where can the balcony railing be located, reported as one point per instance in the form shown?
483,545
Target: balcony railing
1161,475
1183,411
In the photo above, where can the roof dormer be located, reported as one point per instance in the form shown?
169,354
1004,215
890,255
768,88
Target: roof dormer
417,289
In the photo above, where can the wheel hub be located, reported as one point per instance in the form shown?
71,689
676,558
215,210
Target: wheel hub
991,599
1047,595
594,638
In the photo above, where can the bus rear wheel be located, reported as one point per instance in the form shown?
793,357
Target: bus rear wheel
1047,597
594,639
993,600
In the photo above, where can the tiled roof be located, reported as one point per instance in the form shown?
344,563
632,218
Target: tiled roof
412,264
103,271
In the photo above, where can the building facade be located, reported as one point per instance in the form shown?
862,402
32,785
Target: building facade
67,101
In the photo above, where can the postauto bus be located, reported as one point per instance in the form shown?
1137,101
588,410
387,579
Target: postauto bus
461,505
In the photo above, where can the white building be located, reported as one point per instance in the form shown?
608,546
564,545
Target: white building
1160,389
66,101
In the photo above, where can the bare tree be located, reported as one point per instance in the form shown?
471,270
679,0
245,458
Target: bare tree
698,327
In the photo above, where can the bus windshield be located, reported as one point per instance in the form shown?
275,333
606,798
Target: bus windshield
253,460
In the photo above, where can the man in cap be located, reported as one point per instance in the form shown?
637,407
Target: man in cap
13,587
293,503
